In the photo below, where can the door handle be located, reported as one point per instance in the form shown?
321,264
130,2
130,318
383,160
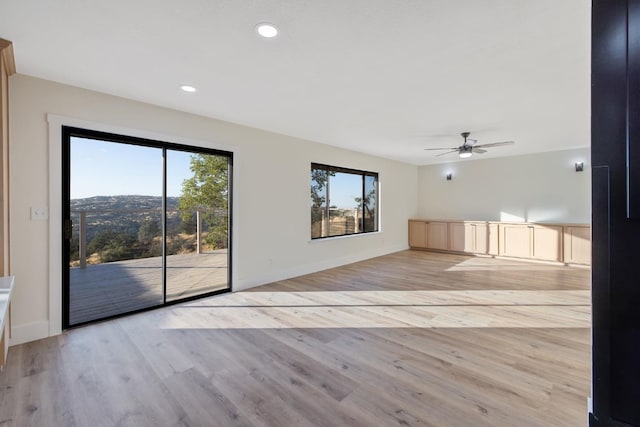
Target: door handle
68,229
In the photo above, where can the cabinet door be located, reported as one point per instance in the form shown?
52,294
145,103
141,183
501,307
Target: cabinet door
493,240
458,240
480,238
417,234
577,245
547,242
437,235
515,240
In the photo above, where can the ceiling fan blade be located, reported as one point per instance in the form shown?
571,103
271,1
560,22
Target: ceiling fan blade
448,148
448,152
471,142
479,150
495,144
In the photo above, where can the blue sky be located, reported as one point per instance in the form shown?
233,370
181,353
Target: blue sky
344,189
100,168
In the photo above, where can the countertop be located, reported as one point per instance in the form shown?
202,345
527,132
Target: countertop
6,289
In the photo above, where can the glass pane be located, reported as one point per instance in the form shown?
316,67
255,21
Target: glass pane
319,202
370,220
345,195
197,224
116,207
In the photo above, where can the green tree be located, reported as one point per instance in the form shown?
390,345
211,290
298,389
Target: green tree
369,201
319,178
148,230
367,222
188,224
207,191
112,245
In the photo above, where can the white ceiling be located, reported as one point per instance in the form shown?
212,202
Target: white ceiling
385,77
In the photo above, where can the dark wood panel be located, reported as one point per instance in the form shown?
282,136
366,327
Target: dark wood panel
615,152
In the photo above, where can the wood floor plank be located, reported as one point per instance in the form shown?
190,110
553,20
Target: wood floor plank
205,403
412,339
256,401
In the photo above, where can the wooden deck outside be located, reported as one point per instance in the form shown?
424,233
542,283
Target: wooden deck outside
113,288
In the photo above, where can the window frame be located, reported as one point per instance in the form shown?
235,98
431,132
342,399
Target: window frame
363,174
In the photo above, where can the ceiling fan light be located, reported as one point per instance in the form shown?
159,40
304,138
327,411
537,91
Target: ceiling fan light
465,152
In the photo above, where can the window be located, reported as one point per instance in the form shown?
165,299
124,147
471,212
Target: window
343,201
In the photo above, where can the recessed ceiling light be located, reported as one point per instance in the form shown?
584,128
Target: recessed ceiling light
188,88
267,30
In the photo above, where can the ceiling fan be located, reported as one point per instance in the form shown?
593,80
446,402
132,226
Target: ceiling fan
469,147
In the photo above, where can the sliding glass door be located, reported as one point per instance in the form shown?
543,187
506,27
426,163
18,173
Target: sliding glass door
197,224
146,223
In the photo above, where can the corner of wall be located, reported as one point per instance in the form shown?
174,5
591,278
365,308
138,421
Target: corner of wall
21,334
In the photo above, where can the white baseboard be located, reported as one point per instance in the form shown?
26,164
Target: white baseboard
301,270
29,332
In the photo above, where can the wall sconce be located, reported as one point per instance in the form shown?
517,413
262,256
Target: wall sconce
449,176
579,166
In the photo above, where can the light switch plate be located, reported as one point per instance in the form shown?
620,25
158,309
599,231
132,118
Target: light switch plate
39,214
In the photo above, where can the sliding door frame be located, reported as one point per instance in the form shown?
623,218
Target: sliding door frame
70,131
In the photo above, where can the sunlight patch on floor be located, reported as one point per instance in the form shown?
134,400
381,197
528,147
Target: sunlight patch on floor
480,264
384,309
391,298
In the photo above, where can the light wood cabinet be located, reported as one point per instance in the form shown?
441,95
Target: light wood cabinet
459,238
515,240
469,237
577,245
566,243
428,234
479,237
541,242
437,235
493,238
417,234
7,68
546,242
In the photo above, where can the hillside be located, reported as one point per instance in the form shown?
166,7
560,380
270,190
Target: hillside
122,213
127,202
125,227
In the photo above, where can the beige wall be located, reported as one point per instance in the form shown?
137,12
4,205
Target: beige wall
270,171
541,187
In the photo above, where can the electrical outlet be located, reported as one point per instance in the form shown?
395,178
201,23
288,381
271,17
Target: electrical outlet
39,214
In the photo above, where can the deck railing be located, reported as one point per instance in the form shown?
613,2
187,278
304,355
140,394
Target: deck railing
83,236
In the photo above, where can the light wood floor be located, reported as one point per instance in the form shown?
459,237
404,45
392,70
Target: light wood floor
108,289
413,338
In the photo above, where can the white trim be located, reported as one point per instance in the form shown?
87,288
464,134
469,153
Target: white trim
344,236
55,123
317,266
55,217
29,332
